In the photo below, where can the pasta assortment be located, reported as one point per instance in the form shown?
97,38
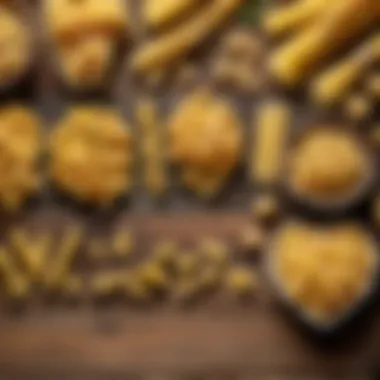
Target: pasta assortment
168,115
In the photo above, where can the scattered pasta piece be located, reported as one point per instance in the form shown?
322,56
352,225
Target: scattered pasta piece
123,243
215,251
57,272
32,251
209,278
154,277
135,288
186,264
241,281
17,286
107,283
165,253
186,291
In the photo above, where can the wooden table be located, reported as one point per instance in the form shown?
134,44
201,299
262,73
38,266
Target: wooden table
217,340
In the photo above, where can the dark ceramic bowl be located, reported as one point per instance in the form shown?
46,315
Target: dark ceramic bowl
303,316
337,204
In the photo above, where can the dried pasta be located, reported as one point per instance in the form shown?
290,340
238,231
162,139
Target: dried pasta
272,125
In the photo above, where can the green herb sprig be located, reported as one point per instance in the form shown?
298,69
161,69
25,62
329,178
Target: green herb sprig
250,12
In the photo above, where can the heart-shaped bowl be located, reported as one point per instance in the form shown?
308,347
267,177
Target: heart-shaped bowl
302,315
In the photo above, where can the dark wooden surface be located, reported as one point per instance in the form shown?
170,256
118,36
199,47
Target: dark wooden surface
217,338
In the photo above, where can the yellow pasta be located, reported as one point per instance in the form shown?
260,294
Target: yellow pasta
32,252
186,264
336,271
343,22
107,283
174,44
135,288
123,243
155,177
295,16
16,284
57,272
272,126
334,83
215,251
67,19
241,281
153,276
157,13
165,253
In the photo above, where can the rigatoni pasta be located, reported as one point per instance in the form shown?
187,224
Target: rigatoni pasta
155,176
272,125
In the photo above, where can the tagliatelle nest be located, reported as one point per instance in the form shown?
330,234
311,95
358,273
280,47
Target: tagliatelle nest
206,140
19,153
91,155
16,44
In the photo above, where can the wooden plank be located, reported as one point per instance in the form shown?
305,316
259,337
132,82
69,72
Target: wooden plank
257,342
